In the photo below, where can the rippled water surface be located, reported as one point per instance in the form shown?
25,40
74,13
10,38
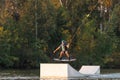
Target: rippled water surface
15,74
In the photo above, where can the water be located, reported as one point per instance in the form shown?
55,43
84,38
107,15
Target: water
15,74
106,71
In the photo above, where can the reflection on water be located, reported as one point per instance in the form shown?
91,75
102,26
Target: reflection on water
110,71
34,74
17,72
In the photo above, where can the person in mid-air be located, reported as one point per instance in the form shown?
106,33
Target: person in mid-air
64,46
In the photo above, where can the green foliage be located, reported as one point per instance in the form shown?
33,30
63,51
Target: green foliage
19,41
114,33
92,46
21,47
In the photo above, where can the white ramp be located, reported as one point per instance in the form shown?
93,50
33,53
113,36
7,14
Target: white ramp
57,70
90,70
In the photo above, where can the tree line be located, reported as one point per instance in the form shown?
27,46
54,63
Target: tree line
31,29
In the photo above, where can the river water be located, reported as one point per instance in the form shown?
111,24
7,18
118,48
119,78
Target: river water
15,74
34,74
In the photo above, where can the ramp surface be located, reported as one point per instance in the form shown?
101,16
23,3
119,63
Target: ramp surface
57,70
90,70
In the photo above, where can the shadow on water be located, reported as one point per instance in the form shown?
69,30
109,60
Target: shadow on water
17,72
34,74
107,71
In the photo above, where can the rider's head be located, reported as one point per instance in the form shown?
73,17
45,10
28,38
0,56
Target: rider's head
63,41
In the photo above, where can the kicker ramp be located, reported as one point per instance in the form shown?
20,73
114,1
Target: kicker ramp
57,70
90,70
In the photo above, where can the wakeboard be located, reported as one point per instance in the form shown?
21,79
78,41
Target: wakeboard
64,60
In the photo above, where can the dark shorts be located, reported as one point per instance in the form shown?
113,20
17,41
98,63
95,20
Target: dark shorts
64,51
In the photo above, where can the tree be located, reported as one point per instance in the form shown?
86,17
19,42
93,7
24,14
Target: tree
28,51
113,32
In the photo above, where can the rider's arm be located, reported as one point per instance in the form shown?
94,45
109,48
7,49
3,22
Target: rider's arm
56,49
68,45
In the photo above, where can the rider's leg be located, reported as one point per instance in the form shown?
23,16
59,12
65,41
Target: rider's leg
61,53
67,54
